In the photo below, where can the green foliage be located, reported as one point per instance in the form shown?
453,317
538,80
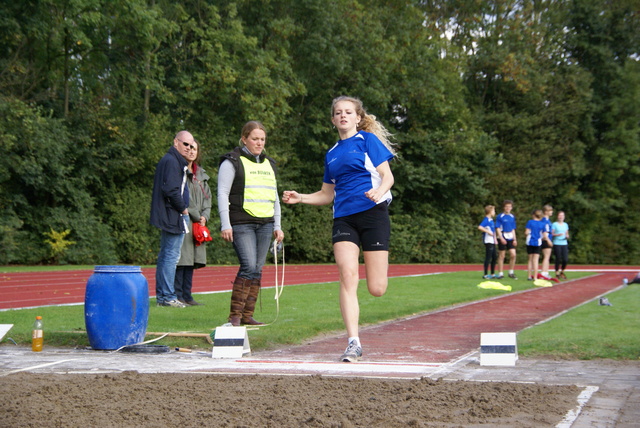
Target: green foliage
136,240
604,39
308,233
9,240
428,238
505,99
58,243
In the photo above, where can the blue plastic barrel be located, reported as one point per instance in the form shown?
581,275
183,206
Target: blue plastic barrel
116,306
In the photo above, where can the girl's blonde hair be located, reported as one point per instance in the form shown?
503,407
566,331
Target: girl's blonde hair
368,122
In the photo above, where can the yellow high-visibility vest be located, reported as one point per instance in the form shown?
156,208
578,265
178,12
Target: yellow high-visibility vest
260,190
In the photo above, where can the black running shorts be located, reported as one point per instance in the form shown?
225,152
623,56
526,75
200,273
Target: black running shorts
371,228
508,246
533,249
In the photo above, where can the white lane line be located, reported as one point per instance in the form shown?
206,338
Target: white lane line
326,368
573,414
35,367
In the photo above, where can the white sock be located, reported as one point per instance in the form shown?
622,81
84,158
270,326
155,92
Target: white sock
501,274
511,272
357,339
545,273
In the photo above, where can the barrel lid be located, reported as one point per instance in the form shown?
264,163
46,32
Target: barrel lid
117,269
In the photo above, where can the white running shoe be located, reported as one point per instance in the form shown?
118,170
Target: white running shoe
352,354
173,304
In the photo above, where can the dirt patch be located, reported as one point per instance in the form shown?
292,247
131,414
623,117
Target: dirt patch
144,400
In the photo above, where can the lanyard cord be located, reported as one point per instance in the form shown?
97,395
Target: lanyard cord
276,246
278,293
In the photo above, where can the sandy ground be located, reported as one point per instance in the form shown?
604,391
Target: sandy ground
190,400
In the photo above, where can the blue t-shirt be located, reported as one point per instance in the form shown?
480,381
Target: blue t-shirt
507,224
489,224
547,225
351,166
534,239
560,228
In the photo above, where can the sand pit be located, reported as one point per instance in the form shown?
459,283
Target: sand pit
191,400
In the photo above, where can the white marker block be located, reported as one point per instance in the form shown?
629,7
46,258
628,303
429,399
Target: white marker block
498,349
4,329
230,342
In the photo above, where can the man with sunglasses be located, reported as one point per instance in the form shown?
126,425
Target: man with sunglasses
169,202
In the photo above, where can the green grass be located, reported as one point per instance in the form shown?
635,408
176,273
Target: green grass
589,331
307,311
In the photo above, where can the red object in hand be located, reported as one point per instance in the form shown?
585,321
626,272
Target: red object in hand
201,234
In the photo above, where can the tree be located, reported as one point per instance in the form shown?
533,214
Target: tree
531,100
605,41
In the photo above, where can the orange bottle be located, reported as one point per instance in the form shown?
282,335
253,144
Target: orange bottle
37,339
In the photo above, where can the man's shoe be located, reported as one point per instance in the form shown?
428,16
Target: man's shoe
173,304
563,276
352,353
499,276
194,303
512,276
486,277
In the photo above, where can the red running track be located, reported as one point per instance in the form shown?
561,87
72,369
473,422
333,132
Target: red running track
450,334
34,289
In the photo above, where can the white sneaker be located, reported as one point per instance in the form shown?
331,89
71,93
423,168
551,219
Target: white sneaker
174,304
352,353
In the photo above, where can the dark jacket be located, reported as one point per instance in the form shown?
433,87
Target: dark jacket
170,195
237,214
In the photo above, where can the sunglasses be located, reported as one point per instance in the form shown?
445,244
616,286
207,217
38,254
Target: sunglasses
191,146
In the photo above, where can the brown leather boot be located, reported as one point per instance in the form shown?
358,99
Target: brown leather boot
239,294
250,304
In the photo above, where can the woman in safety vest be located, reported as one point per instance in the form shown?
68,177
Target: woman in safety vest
357,179
249,216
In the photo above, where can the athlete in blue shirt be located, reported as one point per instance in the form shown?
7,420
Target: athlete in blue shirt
535,235
357,179
488,229
547,245
507,240
350,165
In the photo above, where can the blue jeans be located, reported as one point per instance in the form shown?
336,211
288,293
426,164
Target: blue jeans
252,242
168,257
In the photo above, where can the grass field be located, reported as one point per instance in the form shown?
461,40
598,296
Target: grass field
587,332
